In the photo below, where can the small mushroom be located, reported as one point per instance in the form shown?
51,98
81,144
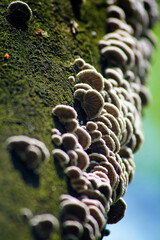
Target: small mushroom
61,156
19,12
112,73
91,126
91,77
84,86
83,137
26,213
113,24
79,62
99,146
72,209
115,12
117,211
43,225
97,214
92,103
83,159
114,56
97,157
79,94
69,141
73,172
64,112
72,229
56,139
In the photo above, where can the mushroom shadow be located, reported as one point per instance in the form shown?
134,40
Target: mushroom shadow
81,113
29,177
59,168
76,8
17,24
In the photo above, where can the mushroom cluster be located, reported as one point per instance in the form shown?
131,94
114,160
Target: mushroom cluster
98,156
32,152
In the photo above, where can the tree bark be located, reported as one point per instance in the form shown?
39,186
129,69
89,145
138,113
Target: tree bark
33,80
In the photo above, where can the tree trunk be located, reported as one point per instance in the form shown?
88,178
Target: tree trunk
34,79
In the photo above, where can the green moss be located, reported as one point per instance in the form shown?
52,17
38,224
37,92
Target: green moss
32,81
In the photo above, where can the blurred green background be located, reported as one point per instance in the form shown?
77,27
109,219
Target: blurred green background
142,219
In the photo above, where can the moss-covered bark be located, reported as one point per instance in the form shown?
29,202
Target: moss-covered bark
32,81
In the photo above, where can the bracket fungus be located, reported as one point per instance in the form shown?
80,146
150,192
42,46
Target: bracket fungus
113,104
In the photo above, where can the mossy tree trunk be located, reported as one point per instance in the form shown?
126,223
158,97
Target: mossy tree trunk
32,81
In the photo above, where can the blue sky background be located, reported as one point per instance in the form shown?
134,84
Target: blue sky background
142,219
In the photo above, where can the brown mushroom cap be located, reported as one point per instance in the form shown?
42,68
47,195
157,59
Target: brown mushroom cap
117,211
83,159
97,214
70,141
92,103
92,221
29,150
73,156
72,229
99,146
84,86
72,209
112,73
61,156
79,94
71,125
97,157
73,172
116,12
91,126
79,62
112,109
93,202
83,137
55,131
88,232
113,176
33,157
91,77
95,194
114,55
56,139
113,24
19,142
64,112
